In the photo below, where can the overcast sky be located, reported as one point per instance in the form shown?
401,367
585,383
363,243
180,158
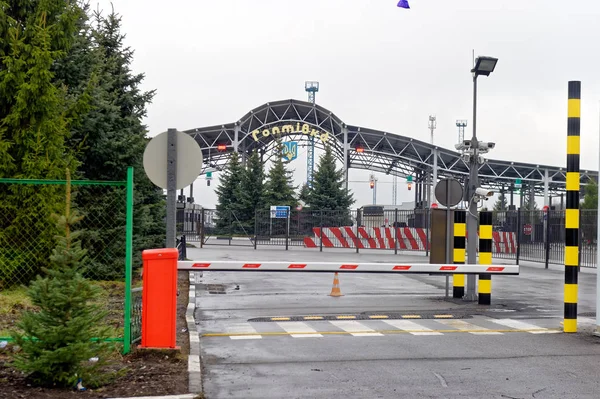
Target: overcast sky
379,66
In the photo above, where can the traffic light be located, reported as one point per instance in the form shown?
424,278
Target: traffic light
221,147
371,184
409,182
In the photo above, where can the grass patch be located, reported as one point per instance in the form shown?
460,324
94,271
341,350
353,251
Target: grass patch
112,299
12,303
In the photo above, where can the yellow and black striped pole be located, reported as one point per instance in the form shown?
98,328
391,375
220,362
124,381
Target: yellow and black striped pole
460,232
572,211
485,256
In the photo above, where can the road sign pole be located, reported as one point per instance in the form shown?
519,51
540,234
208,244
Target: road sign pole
171,187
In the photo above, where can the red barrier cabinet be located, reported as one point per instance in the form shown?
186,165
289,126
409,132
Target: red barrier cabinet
159,298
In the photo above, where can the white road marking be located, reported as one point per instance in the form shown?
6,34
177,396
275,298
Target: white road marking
299,327
242,328
520,325
355,328
408,325
471,328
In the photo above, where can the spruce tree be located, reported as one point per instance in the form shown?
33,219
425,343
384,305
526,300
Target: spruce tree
227,192
35,119
111,137
58,340
250,192
304,194
590,199
280,189
328,191
501,204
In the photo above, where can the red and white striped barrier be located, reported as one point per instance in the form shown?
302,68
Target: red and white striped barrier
347,267
408,238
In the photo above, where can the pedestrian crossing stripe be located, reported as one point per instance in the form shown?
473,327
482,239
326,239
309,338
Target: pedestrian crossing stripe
298,329
357,317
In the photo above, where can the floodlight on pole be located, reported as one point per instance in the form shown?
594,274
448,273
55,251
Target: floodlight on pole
483,66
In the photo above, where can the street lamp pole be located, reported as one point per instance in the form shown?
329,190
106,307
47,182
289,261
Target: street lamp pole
483,66
472,220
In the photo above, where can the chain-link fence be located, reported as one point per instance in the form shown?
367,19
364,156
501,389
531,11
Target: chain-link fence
28,230
28,233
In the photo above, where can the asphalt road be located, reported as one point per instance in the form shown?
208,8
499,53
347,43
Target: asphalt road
280,335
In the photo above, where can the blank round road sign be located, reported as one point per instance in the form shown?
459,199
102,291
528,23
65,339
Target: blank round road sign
189,160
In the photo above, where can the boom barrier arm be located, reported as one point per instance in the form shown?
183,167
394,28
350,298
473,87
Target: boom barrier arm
342,267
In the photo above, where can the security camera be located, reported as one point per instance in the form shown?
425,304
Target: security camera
486,145
482,193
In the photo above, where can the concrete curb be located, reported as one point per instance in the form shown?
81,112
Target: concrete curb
185,396
194,366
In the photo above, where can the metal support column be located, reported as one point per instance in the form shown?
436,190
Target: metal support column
346,154
572,212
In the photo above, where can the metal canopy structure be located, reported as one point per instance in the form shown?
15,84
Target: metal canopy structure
382,151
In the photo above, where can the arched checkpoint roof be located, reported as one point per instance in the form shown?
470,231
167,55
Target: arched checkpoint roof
383,151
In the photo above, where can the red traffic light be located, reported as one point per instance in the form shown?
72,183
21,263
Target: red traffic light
360,149
372,184
409,186
221,147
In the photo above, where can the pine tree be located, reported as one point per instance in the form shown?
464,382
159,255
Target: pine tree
250,192
328,191
58,340
226,191
35,119
280,189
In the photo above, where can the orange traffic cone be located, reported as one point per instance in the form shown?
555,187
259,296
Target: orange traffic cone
335,291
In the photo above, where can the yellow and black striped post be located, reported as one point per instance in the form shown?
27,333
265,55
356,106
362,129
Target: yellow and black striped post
572,211
460,232
485,256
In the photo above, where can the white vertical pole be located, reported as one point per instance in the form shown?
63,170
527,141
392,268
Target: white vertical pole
435,175
597,333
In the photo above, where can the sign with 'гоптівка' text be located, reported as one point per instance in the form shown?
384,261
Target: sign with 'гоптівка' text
288,129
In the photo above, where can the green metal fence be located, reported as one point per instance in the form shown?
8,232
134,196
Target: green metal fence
27,235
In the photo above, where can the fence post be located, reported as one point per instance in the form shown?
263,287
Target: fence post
428,227
396,231
256,228
518,235
184,247
128,262
287,229
202,228
547,237
321,232
356,233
